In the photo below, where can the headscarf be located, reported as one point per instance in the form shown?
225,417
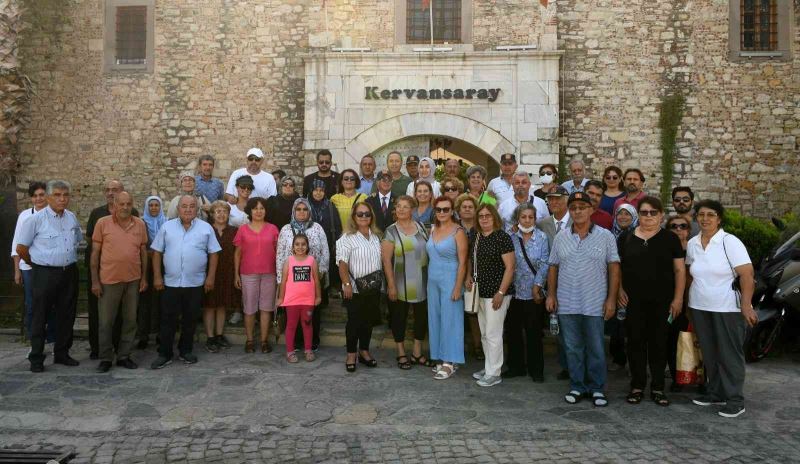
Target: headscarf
617,230
301,227
430,179
318,207
153,222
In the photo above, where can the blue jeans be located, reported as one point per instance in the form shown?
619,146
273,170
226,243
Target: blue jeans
27,285
585,347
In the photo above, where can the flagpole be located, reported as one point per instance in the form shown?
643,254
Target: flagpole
430,4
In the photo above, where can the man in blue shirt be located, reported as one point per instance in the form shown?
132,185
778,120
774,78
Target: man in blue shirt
49,242
206,184
367,167
185,245
582,282
578,171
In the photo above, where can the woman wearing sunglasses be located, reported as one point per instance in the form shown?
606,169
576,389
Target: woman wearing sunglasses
280,206
612,178
548,176
653,281
244,187
681,227
348,195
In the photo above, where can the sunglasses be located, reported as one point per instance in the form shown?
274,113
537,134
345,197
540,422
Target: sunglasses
484,216
450,189
364,214
442,210
612,177
253,158
349,179
682,200
246,187
324,162
679,226
649,212
546,173
301,209
288,184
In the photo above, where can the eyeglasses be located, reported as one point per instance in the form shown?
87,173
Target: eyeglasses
288,184
450,189
253,158
679,226
484,216
612,177
246,187
349,179
364,214
709,214
682,200
649,212
578,208
301,209
442,210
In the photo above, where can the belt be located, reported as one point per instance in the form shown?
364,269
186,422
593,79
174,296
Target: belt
53,268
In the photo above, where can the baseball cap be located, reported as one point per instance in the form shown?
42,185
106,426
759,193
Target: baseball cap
384,175
244,181
579,196
256,152
412,159
558,192
508,157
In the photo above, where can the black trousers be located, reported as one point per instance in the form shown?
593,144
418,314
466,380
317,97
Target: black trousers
524,337
186,302
615,329
398,319
94,324
359,324
147,315
55,291
647,331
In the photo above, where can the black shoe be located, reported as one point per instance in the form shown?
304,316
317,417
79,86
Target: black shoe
93,356
127,363
188,358
37,368
510,374
367,362
221,341
160,362
104,367
67,361
142,344
211,345
315,348
348,367
563,375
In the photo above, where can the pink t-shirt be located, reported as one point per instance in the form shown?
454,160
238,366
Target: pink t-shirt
300,285
258,249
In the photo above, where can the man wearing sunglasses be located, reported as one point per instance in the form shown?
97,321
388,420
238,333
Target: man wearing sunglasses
324,173
263,181
683,202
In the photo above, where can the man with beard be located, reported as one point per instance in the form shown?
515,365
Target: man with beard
634,185
683,202
522,187
263,181
324,173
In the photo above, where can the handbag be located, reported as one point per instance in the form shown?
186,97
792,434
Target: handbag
689,360
736,285
370,283
472,297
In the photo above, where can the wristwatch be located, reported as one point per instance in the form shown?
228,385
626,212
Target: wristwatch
501,293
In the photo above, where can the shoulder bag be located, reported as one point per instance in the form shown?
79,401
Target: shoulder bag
736,286
471,297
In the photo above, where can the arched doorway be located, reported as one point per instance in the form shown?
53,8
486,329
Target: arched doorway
439,148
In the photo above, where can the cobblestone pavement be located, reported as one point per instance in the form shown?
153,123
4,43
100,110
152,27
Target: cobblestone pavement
237,407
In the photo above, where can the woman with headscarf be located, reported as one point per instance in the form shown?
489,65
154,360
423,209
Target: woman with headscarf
279,207
427,169
302,222
325,214
147,315
187,184
625,218
625,221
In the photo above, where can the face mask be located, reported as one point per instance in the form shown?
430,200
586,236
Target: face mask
548,179
525,230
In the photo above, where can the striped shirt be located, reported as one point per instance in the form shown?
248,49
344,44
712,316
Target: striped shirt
583,270
362,255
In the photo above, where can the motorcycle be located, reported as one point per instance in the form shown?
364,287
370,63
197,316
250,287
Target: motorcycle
776,299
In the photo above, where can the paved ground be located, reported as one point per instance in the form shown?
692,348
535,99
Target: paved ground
234,407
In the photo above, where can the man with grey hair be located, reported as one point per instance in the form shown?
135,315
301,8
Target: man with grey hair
522,186
578,171
49,242
206,184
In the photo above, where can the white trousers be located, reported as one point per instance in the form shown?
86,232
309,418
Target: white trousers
491,324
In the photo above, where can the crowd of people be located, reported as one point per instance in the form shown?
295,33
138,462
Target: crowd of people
497,257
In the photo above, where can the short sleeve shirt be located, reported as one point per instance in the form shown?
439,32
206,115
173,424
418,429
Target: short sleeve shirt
410,263
185,251
120,255
491,266
209,188
648,272
258,249
52,239
264,184
712,271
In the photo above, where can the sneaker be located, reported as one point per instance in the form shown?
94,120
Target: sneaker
211,345
222,341
731,411
706,400
315,348
188,358
160,362
489,380
235,318
479,375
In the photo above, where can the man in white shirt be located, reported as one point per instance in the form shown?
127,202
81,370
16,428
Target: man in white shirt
522,187
264,182
579,179
501,186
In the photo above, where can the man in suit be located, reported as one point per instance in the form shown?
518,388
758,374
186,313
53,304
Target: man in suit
559,220
382,201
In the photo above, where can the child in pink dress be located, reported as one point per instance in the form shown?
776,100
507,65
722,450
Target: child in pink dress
299,292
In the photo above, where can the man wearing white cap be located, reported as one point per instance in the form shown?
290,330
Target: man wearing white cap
264,182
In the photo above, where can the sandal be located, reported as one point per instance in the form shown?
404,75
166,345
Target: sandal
635,397
659,398
599,400
445,372
249,347
291,357
405,365
419,360
266,347
573,397
310,356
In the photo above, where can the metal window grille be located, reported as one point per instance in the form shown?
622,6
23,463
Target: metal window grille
131,36
759,25
446,21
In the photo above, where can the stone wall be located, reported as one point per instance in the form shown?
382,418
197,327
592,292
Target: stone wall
739,138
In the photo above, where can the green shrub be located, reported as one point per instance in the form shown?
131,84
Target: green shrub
760,237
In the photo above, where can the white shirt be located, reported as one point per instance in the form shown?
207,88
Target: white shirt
564,221
570,185
23,216
435,185
362,255
501,189
712,272
237,218
388,198
263,181
507,208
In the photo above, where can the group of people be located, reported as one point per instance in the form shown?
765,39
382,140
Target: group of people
495,256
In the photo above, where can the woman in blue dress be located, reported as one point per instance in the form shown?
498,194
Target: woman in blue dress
447,257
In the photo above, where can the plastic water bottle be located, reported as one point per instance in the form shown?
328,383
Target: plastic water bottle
554,329
622,312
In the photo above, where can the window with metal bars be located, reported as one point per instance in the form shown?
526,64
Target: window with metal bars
131,35
759,25
446,21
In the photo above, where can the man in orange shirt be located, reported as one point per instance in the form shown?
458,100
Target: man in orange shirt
117,264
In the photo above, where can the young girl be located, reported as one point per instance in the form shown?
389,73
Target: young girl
299,292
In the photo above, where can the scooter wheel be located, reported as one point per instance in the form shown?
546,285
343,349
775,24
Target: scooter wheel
761,339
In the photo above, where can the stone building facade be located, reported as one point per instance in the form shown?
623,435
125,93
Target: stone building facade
583,79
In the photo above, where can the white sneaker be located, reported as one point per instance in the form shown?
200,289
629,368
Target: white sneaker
489,381
479,375
235,318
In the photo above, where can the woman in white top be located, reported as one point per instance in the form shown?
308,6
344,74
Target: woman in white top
427,169
715,258
244,187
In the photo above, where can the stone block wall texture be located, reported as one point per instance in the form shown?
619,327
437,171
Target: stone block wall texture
738,141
